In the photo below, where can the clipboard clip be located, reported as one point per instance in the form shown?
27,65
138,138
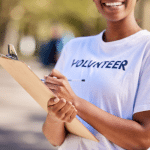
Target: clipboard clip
12,52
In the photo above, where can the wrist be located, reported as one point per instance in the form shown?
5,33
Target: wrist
52,120
76,102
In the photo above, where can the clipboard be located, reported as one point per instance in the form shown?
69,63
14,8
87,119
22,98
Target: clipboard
37,89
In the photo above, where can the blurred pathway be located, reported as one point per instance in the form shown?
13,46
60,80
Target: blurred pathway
21,118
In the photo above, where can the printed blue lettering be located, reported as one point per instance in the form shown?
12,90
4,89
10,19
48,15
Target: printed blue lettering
98,64
116,64
80,63
85,63
90,63
104,63
73,63
109,64
123,64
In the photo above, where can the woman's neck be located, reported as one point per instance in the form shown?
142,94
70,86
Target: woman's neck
120,29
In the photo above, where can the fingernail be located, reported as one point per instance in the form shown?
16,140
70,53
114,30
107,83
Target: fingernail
63,100
70,103
56,99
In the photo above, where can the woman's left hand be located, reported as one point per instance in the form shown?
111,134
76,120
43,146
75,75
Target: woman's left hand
60,86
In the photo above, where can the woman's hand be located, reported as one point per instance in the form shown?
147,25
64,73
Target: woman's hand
60,86
61,110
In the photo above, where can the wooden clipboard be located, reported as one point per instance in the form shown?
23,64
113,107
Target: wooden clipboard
39,92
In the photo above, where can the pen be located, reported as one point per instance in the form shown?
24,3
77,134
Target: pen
71,80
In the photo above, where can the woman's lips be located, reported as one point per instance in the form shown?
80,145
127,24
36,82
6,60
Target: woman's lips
115,4
109,6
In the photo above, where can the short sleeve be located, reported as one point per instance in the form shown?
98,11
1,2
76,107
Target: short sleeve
61,61
142,101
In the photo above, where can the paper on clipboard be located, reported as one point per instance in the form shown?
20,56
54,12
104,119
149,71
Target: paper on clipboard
39,92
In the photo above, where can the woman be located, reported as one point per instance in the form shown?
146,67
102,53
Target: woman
114,99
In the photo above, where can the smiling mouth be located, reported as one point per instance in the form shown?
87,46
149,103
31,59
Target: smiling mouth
115,4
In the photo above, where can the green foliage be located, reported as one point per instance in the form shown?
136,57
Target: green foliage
37,16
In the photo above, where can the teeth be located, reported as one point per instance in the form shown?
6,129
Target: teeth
114,4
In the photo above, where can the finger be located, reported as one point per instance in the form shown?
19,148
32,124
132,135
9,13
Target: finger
52,86
56,108
70,115
73,115
59,106
53,100
66,118
66,108
53,80
56,73
54,91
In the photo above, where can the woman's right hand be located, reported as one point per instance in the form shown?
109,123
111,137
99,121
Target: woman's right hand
60,110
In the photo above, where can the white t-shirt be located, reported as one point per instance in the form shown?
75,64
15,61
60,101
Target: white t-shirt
117,79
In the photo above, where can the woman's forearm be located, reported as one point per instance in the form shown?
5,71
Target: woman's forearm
54,132
127,134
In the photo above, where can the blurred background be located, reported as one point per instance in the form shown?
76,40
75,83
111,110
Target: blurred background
39,29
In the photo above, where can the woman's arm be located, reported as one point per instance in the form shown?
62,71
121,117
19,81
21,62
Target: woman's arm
59,112
128,134
54,132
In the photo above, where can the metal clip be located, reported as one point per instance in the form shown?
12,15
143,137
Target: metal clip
12,52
